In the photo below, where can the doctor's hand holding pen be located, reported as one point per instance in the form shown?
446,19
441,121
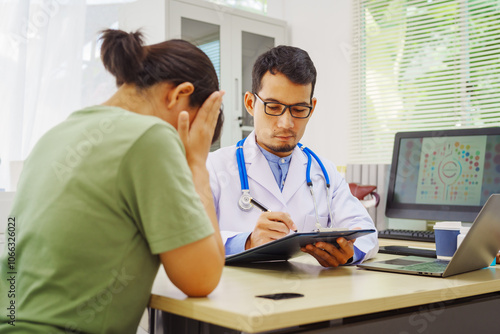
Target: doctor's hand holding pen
270,226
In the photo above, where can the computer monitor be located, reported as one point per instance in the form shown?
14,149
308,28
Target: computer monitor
443,174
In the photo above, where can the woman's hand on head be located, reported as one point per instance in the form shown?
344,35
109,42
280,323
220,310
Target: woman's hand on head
197,139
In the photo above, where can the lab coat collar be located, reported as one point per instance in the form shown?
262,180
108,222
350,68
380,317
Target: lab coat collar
255,162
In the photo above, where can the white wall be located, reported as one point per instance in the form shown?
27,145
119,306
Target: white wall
148,15
323,28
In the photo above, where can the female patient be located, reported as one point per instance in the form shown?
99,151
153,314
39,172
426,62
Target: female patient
114,190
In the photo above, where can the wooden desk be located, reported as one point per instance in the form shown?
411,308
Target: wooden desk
341,297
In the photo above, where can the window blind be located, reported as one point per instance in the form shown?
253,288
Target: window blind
421,65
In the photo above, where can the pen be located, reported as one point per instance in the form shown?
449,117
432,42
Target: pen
258,205
261,207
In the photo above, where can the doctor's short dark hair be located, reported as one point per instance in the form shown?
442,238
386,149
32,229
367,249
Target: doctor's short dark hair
175,61
293,62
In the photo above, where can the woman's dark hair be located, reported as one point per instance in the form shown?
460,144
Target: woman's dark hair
293,62
175,61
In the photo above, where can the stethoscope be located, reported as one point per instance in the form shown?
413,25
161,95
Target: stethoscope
245,201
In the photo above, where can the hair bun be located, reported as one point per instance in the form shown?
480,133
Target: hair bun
122,54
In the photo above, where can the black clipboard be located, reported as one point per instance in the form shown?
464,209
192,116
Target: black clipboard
289,246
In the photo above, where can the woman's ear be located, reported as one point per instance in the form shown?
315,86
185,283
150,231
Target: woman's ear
249,102
178,93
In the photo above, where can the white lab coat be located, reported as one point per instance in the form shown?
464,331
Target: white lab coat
295,199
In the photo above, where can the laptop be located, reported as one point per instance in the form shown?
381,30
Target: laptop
477,250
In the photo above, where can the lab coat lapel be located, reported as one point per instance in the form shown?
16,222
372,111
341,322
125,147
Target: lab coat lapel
258,168
296,176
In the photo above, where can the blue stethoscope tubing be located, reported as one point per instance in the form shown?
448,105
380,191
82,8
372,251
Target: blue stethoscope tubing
245,199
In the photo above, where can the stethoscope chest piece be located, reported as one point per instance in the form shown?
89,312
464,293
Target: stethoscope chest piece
245,200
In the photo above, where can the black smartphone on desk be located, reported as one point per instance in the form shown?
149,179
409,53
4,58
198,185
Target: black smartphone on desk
279,296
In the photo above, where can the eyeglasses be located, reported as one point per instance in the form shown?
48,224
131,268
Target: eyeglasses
278,109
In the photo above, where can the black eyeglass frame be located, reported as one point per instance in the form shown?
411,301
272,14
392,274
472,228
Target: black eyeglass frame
289,107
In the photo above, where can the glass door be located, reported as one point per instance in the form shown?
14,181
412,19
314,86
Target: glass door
253,45
251,38
206,36
210,31
233,40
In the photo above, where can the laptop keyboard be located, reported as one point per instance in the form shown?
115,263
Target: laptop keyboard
428,267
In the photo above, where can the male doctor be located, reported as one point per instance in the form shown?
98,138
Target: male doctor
282,104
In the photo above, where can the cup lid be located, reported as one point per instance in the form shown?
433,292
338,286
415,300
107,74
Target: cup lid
464,229
447,225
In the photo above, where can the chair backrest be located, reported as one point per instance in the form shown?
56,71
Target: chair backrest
366,194
361,191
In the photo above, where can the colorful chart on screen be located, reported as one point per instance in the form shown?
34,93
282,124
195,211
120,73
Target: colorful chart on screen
451,170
